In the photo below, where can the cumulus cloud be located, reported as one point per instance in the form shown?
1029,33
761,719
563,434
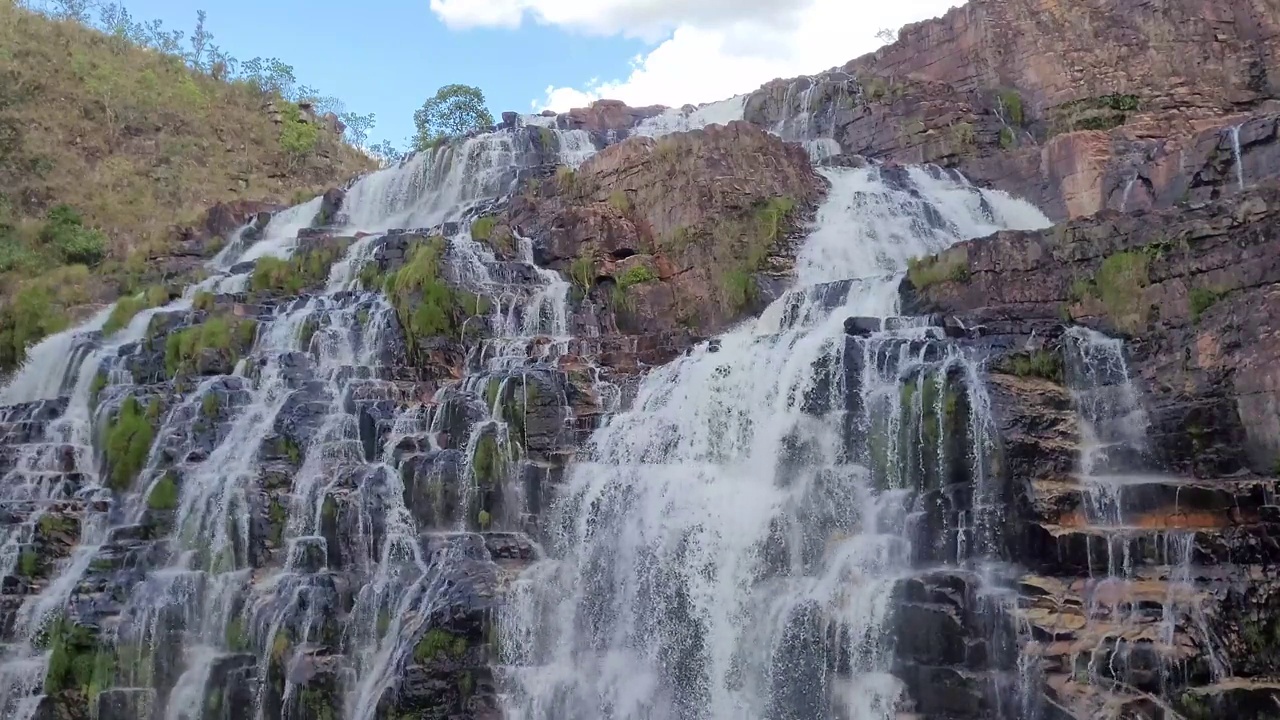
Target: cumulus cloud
704,50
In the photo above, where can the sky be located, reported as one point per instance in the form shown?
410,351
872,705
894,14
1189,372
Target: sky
388,56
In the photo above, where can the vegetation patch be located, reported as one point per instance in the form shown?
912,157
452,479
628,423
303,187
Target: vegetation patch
963,137
1043,364
40,306
129,437
1202,299
582,271
425,304
76,662
164,496
307,269
127,307
225,334
1100,113
487,463
438,643
636,275
1007,138
949,266
489,231
1118,286
1011,101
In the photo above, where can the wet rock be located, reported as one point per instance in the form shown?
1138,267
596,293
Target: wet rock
861,326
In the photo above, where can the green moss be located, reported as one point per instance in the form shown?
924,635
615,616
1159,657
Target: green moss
1007,138
317,704
466,684
1202,299
306,332
437,643
484,519
29,563
482,228
949,266
1100,113
75,660
236,637
305,270
279,646
231,335
209,404
96,387
164,496
277,517
491,391
329,509
1041,363
383,621
55,525
487,462
370,277
1011,101
129,437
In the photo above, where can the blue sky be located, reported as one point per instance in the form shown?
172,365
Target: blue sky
391,55
388,56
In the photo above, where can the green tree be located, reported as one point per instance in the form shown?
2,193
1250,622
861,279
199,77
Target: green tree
453,110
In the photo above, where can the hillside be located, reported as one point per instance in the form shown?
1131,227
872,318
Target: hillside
134,142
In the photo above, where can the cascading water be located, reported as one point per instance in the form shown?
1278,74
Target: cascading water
696,539
1116,482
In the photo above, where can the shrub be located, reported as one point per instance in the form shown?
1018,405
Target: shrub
436,643
1041,363
297,136
963,137
65,233
1007,138
636,275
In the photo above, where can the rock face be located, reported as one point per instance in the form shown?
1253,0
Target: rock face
1076,107
686,233
1181,481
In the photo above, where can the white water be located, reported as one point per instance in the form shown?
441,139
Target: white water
437,185
674,120
1236,155
659,603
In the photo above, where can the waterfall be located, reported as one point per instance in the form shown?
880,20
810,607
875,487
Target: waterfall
674,120
678,578
1237,157
1118,485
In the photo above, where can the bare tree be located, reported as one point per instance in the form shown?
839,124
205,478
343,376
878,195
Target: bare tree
887,35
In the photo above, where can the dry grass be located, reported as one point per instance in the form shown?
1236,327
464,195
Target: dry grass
134,140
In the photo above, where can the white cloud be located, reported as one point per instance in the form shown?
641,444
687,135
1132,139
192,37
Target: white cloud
709,49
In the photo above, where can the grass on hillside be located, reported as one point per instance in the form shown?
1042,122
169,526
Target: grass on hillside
115,144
